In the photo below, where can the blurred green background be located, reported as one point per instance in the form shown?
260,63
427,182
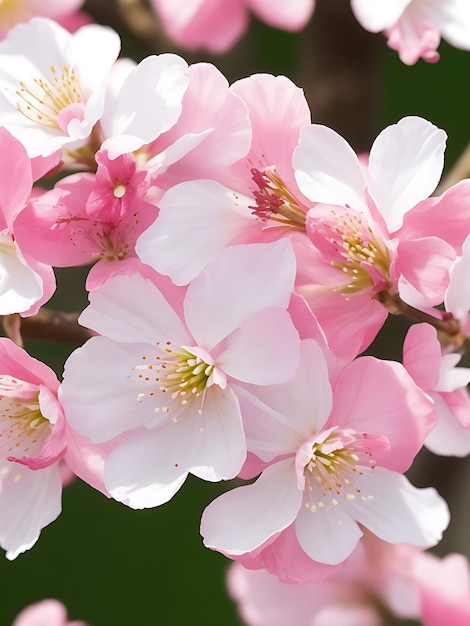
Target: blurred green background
112,566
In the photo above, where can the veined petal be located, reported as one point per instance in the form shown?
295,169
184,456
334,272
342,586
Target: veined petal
239,283
405,165
241,520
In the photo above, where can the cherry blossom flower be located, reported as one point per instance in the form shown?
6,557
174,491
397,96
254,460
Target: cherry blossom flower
158,382
446,384
32,442
53,96
335,459
230,208
47,612
377,235
217,25
414,27
62,11
25,283
89,217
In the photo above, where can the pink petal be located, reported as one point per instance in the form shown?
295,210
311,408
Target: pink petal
422,355
242,519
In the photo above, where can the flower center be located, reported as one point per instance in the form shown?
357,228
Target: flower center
181,374
274,201
348,243
53,102
23,428
329,463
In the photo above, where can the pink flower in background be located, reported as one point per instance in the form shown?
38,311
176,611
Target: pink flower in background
53,83
444,586
45,613
335,457
159,382
414,27
62,11
217,25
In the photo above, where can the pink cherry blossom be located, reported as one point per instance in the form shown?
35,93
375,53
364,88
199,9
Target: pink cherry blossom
53,83
32,442
414,27
447,386
89,217
376,234
159,380
25,282
217,25
45,613
226,210
336,457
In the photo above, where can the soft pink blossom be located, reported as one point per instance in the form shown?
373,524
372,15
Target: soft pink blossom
217,25
336,455
446,384
53,83
414,27
62,11
159,380
25,282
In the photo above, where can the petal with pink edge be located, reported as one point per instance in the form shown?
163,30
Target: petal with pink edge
242,519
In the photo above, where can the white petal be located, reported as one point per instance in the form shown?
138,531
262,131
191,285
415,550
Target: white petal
218,216
100,390
241,281
326,533
264,351
211,444
376,16
242,519
29,500
327,169
142,472
131,309
20,286
396,511
405,166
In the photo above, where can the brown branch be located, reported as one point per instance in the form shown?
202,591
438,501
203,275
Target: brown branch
46,325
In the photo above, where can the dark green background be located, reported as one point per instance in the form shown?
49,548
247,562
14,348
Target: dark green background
113,566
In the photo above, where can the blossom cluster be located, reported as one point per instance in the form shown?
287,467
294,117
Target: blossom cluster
241,261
